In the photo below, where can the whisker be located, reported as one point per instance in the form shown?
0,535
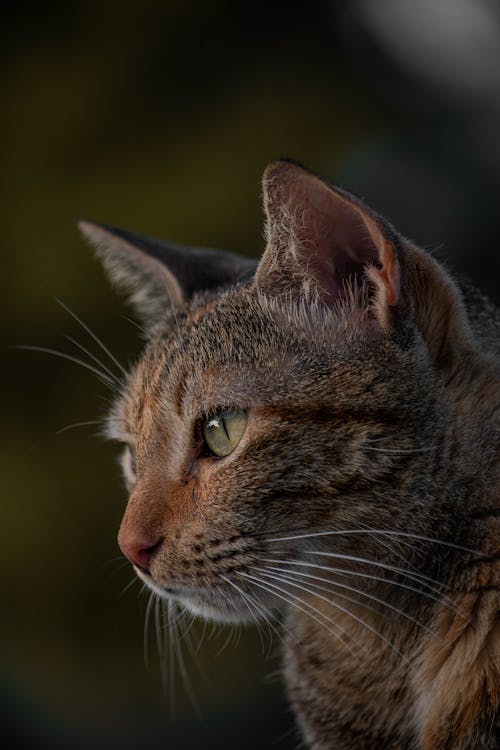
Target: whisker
276,531
118,564
79,424
105,379
180,621
252,605
347,572
135,323
354,590
93,335
267,616
195,649
160,645
202,637
269,588
249,607
385,532
227,641
214,630
175,618
418,577
339,607
291,574
237,636
170,636
182,665
398,450
95,359
386,545
147,616
129,585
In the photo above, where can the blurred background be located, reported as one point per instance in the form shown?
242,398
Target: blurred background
160,117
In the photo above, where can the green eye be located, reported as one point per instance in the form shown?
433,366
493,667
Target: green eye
223,431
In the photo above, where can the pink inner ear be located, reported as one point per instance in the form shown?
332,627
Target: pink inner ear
320,238
385,273
342,244
389,275
344,248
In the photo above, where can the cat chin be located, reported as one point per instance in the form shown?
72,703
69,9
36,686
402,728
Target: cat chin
214,612
211,607
204,605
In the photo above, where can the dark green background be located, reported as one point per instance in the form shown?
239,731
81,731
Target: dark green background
160,117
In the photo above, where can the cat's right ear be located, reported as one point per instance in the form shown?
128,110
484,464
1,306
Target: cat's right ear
157,275
323,241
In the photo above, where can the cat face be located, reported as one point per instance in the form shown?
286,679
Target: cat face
299,397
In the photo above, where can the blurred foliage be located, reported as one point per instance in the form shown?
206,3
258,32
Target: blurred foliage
160,117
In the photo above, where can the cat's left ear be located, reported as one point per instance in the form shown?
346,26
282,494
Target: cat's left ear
158,275
325,241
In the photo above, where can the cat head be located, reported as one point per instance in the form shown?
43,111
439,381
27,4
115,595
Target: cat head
278,405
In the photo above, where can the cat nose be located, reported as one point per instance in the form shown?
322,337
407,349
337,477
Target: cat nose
138,549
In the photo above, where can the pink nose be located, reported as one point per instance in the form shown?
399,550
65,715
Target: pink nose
138,549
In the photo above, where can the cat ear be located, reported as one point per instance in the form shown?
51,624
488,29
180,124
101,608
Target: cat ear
158,275
324,240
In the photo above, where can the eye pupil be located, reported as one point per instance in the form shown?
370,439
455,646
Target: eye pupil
223,431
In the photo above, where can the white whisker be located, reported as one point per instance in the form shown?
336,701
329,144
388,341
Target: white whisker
283,595
385,532
95,359
337,584
253,604
169,639
348,573
89,423
379,539
193,649
337,606
160,644
180,660
251,608
147,616
93,335
397,450
417,577
129,585
105,379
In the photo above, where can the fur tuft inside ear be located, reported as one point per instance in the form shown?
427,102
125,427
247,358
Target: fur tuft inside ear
324,240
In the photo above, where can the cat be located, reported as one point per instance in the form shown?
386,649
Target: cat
318,433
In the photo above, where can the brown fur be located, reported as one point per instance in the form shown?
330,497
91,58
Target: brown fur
371,385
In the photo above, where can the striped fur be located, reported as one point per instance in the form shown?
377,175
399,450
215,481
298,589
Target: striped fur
370,379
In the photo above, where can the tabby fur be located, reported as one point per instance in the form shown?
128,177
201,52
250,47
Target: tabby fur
370,460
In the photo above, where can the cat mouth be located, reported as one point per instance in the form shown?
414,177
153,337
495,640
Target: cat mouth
160,589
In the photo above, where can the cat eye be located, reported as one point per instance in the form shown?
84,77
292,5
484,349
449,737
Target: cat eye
223,431
129,467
